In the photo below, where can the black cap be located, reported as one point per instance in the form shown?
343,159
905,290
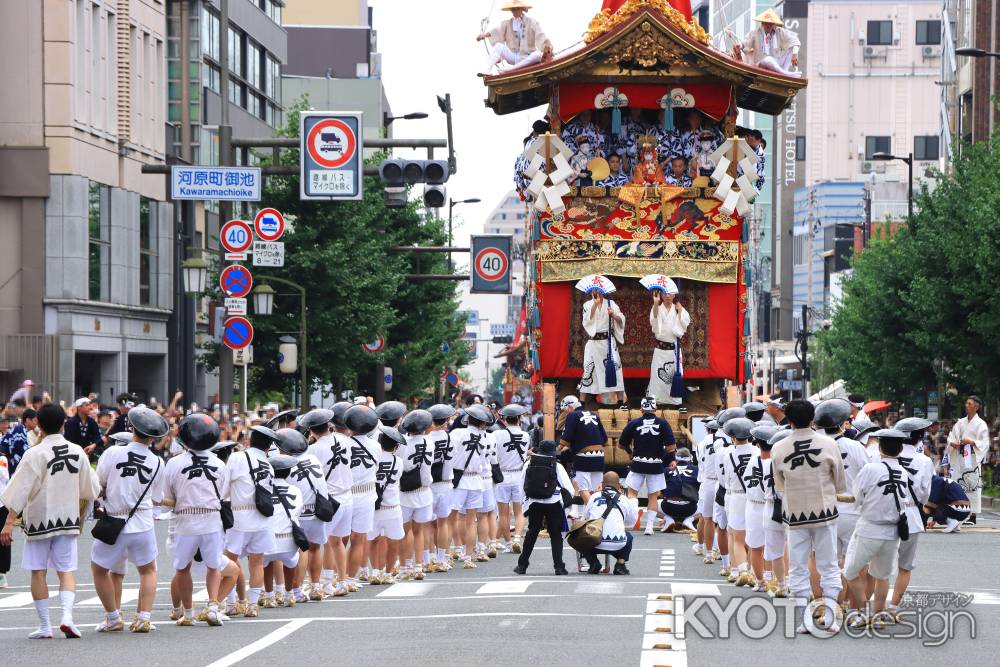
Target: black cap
291,442
416,422
261,437
390,411
198,432
390,435
281,418
315,418
360,419
440,411
547,448
147,422
339,409
832,412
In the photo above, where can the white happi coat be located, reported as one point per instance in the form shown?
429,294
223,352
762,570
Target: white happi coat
596,351
773,51
668,326
965,458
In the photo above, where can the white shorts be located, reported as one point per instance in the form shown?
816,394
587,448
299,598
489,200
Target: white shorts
315,530
654,483
845,530
387,525
706,498
908,553
774,543
210,544
287,558
136,548
878,555
754,524
736,511
510,492
466,499
588,481
242,543
719,514
489,500
51,553
340,525
363,514
442,499
419,514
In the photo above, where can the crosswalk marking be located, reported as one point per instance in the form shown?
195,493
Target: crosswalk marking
660,645
499,587
406,590
667,563
200,596
599,588
128,595
20,600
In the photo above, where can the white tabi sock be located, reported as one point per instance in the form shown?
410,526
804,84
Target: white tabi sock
325,575
66,599
231,598
725,560
650,519
279,589
42,609
427,555
253,595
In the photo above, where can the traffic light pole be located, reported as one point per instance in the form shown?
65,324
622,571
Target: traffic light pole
225,207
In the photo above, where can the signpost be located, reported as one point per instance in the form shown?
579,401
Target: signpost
236,237
236,281
375,346
237,333
332,150
235,306
269,224
490,266
243,356
215,183
268,253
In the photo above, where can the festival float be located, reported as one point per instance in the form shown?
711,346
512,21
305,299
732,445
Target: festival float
646,55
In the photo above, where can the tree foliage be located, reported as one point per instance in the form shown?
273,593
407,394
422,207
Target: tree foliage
356,289
920,309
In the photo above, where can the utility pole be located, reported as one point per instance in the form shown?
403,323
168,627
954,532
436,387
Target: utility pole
225,160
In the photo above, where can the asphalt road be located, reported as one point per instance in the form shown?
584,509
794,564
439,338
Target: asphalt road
492,615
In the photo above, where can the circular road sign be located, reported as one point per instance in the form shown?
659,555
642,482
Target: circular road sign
236,236
237,333
331,143
236,281
375,346
491,264
269,224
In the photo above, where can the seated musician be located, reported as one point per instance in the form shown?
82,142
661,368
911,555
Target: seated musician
679,172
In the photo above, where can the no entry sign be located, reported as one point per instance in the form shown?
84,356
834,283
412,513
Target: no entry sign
331,155
269,224
237,333
236,281
490,270
236,236
375,346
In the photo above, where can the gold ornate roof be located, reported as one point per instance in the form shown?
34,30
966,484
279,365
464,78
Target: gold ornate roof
641,44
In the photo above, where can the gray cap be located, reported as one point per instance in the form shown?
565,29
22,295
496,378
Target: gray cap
360,419
147,423
440,411
863,423
891,433
223,444
416,422
512,410
478,412
754,406
121,437
738,428
315,418
282,418
778,436
282,462
392,433
291,441
339,409
390,411
262,432
712,425
911,424
763,432
832,413
730,413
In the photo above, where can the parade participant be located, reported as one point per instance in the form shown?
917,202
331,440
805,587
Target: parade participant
545,480
416,498
46,492
131,482
968,445
307,477
755,411
512,447
360,421
669,321
775,533
753,482
387,530
521,164
4,548
733,466
832,415
723,445
581,160
648,170
81,429
678,175
623,143
125,402
770,45
650,442
619,512
605,326
390,412
680,496
947,504
486,524
863,426
582,125
287,500
687,141
195,482
879,491
584,436
708,481
519,40
616,177
776,410
250,492
919,470
332,450
809,473
468,450
441,474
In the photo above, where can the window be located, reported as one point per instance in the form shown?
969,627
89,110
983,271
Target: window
877,145
99,242
799,249
274,11
926,148
147,251
210,77
800,148
928,32
273,74
879,33
253,65
209,34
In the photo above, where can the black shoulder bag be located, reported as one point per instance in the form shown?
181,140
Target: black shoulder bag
324,507
298,535
410,479
261,496
107,528
902,525
458,472
225,509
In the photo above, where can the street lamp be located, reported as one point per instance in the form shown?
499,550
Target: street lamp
452,203
908,159
263,303
195,272
416,115
263,299
972,52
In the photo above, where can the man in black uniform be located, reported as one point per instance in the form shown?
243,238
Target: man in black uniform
650,442
585,437
125,403
82,429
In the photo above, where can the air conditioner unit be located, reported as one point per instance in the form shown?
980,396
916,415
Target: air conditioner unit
874,52
931,52
866,167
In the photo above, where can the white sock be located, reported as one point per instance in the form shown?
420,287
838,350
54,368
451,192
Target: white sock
701,546
231,598
189,613
66,599
114,615
442,555
768,575
725,560
650,519
427,555
42,609
144,615
279,589
253,595
326,575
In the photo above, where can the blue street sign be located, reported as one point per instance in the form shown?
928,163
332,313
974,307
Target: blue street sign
236,281
215,183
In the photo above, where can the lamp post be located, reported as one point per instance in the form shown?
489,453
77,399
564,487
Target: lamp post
452,203
972,52
263,303
908,159
195,273
416,115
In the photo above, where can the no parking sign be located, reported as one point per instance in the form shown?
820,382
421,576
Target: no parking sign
490,265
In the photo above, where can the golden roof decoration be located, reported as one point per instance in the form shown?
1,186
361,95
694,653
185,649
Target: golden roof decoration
606,20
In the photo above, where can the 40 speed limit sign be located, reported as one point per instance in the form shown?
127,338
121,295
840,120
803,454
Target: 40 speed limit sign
490,264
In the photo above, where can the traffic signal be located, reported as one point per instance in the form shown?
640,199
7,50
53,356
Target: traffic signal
435,196
400,173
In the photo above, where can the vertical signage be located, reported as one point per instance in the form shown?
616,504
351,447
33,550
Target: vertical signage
332,155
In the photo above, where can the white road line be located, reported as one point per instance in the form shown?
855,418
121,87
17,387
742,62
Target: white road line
599,588
679,588
405,590
200,596
261,644
128,595
501,587
20,600
660,646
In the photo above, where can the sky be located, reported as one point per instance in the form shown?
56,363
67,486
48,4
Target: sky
429,48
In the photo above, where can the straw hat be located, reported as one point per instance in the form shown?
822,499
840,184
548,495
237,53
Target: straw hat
769,16
515,4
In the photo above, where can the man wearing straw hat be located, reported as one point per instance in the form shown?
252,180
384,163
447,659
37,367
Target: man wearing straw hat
770,46
520,40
